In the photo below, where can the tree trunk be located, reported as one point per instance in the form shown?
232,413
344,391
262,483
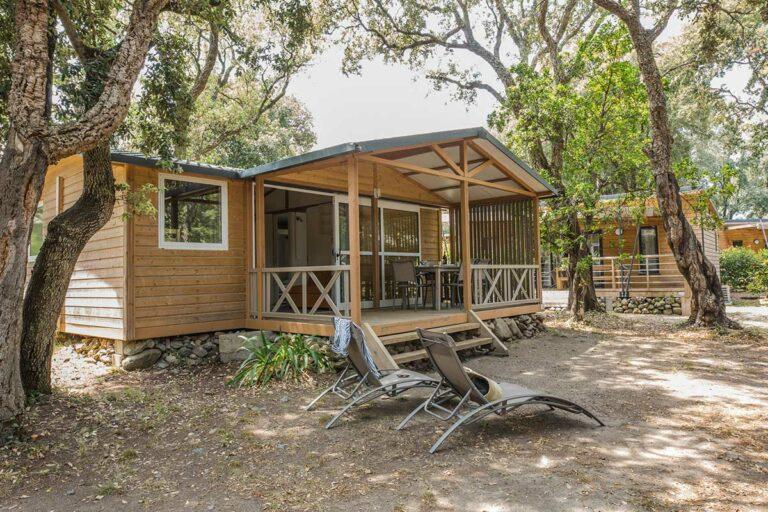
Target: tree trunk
708,304
67,235
581,288
22,171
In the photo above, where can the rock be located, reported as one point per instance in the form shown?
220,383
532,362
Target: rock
677,310
185,352
516,332
171,359
209,345
131,348
501,330
199,352
177,344
141,360
162,365
231,346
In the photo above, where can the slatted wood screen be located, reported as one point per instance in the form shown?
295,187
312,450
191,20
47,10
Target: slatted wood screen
503,233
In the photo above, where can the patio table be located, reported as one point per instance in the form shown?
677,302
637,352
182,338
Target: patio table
437,269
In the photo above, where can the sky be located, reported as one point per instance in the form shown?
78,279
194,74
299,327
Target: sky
383,101
388,100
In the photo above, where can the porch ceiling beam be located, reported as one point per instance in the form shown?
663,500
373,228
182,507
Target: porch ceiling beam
503,168
427,170
410,167
443,167
447,159
453,187
480,168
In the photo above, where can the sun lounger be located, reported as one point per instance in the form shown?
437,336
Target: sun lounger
477,397
361,383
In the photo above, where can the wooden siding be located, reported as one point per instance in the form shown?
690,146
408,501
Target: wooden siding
502,232
746,236
94,303
614,245
431,234
185,291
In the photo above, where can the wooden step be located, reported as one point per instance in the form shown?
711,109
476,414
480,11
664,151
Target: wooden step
415,355
393,339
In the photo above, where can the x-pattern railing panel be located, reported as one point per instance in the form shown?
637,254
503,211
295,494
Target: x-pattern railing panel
504,284
290,279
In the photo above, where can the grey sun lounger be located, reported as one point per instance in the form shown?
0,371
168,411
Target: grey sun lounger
473,405
359,384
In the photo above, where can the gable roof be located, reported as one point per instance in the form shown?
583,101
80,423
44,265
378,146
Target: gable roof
480,135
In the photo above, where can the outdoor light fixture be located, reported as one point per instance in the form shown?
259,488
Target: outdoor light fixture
756,241
619,231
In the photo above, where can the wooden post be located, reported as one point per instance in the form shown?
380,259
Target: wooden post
376,241
260,246
250,251
353,192
466,256
537,247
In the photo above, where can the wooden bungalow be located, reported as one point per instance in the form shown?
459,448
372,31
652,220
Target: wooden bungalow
270,247
749,233
633,259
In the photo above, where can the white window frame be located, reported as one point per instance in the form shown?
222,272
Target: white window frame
191,246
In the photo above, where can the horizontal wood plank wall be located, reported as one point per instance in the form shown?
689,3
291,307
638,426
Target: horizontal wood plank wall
186,291
708,240
746,236
503,233
392,183
613,244
430,228
94,303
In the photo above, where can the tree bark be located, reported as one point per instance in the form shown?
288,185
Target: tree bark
581,288
22,172
20,185
67,235
707,301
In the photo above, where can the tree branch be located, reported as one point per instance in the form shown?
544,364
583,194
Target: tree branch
74,38
110,109
210,61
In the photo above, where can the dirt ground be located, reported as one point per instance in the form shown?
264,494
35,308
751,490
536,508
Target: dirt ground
686,413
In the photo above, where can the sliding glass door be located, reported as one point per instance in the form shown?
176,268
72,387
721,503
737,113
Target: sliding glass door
400,240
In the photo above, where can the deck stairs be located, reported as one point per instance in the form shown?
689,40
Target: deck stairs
474,331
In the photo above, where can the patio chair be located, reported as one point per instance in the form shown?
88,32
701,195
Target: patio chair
475,401
361,382
405,278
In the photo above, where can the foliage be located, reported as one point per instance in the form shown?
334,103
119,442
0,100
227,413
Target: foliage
250,138
600,122
759,281
286,357
258,44
739,265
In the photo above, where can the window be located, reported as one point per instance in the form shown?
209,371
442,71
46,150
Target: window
738,243
649,248
192,213
595,241
37,236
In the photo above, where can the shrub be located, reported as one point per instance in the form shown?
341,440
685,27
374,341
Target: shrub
738,266
759,282
286,357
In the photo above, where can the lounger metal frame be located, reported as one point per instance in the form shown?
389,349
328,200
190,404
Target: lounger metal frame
358,384
472,406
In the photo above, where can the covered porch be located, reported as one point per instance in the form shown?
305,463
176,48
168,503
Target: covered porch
327,229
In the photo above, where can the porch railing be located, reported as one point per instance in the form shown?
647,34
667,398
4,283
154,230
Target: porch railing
646,272
498,285
303,291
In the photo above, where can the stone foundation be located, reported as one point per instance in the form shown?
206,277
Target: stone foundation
518,327
669,305
187,350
